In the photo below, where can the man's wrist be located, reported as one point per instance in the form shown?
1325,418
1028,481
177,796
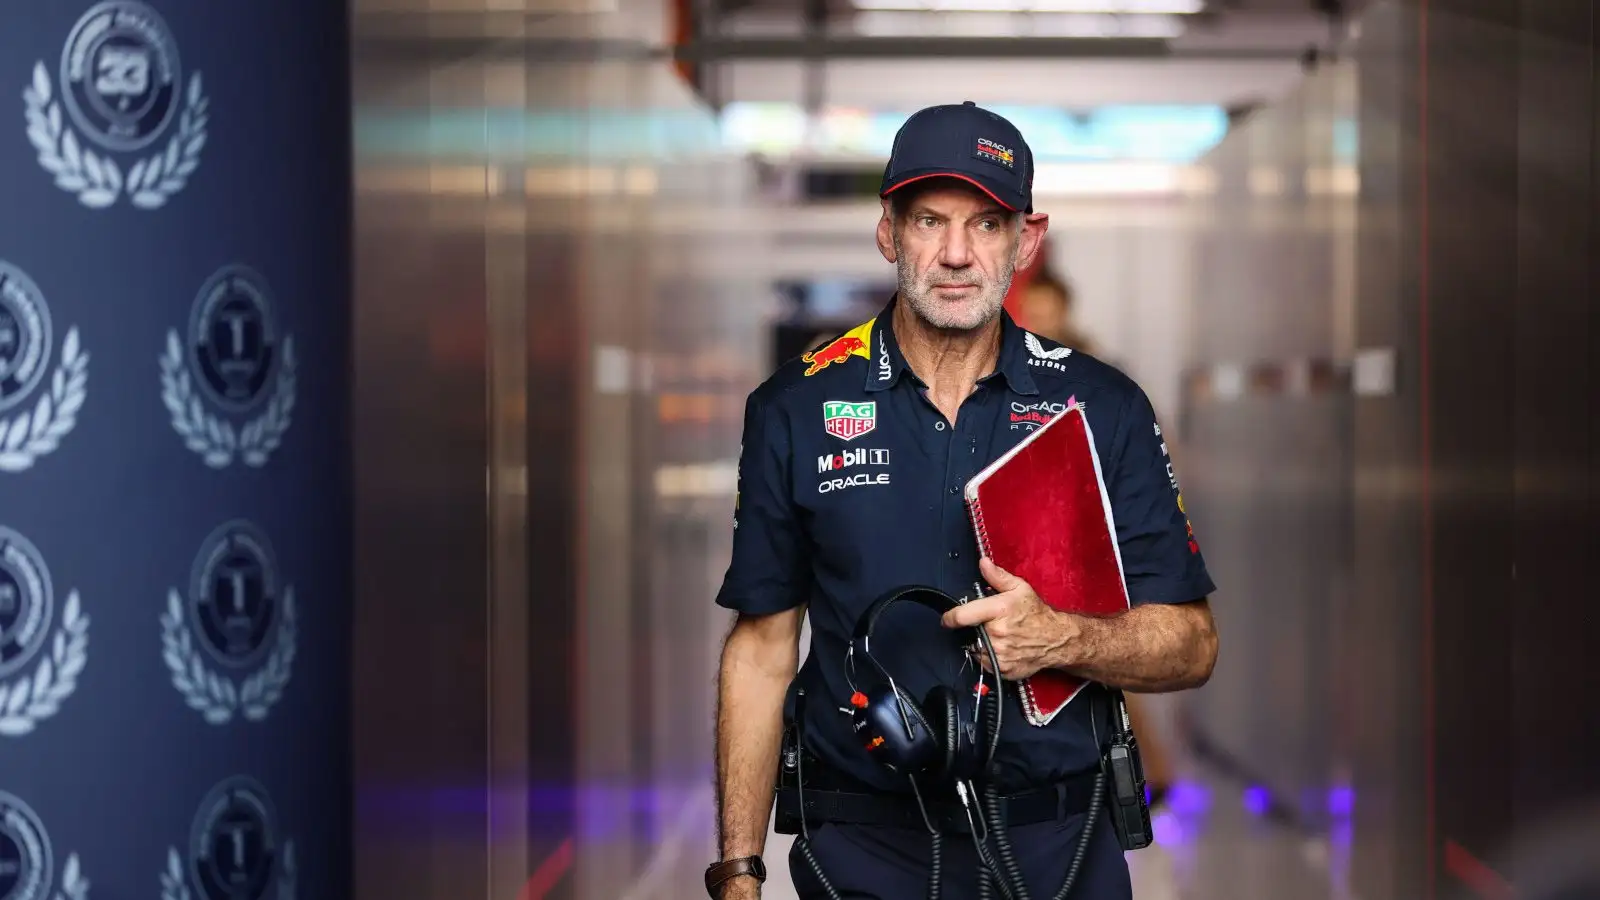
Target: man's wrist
1074,641
730,869
738,881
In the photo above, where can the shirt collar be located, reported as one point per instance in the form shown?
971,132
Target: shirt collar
1014,356
886,362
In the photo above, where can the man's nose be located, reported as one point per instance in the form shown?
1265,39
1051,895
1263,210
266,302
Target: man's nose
956,253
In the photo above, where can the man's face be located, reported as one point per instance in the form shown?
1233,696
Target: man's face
955,250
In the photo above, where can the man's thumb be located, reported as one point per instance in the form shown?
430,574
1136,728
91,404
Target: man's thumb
998,578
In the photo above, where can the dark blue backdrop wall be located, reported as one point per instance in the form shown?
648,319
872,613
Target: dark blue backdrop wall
174,546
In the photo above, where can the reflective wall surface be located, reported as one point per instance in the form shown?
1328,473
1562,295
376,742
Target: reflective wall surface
551,363
1397,544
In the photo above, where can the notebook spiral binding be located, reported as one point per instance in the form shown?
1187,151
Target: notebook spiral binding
975,513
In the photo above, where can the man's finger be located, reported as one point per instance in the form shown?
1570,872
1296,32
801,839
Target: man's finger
975,612
998,578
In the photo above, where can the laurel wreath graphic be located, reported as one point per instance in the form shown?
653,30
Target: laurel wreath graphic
215,439
97,180
216,696
73,885
31,435
26,702
174,888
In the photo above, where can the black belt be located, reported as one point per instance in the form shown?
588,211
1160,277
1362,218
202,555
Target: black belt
1048,803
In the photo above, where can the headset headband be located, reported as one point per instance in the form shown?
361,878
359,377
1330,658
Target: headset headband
922,595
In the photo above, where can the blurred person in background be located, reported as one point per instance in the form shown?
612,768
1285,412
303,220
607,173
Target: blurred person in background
1046,308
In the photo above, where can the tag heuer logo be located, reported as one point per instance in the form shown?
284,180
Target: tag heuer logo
848,421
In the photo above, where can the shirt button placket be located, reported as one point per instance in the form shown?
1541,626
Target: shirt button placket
955,518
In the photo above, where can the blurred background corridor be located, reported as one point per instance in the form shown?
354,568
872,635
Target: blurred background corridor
1348,249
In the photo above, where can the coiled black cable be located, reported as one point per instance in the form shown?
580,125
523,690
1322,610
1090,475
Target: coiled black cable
1090,818
994,821
816,867
804,840
936,858
980,833
1002,844
985,883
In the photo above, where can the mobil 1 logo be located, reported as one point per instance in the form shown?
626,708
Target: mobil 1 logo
851,468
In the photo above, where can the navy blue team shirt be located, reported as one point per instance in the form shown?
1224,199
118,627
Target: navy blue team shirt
851,484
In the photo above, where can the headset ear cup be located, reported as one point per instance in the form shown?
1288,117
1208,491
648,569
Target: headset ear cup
927,747
943,721
882,732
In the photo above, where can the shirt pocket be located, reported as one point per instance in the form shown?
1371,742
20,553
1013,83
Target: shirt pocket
852,497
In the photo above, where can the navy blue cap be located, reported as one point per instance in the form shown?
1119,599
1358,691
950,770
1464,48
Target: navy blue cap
963,141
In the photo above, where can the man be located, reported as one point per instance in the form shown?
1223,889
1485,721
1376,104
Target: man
939,384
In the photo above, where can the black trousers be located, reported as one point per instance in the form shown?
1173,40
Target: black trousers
868,862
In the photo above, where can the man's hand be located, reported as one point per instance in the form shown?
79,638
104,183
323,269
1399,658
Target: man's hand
1027,635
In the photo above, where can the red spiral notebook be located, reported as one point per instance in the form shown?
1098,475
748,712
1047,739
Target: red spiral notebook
1041,512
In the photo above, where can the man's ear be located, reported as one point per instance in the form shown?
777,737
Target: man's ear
886,231
1034,226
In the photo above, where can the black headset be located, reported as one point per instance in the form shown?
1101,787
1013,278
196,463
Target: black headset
940,737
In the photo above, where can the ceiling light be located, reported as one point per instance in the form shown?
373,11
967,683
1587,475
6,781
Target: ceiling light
900,23
1102,7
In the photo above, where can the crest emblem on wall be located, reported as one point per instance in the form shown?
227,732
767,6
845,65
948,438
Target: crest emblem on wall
116,118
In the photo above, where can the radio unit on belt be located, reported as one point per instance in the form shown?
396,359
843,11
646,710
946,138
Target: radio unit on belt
1130,808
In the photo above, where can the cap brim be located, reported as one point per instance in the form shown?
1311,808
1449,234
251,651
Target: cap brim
999,194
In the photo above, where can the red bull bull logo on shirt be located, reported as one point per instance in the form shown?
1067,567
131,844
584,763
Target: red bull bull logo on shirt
852,343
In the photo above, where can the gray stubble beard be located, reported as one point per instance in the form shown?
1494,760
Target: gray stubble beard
916,293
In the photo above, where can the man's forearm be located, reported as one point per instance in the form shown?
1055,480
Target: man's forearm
1149,649
750,695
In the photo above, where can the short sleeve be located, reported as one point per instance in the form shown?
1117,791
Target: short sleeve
1161,557
770,570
